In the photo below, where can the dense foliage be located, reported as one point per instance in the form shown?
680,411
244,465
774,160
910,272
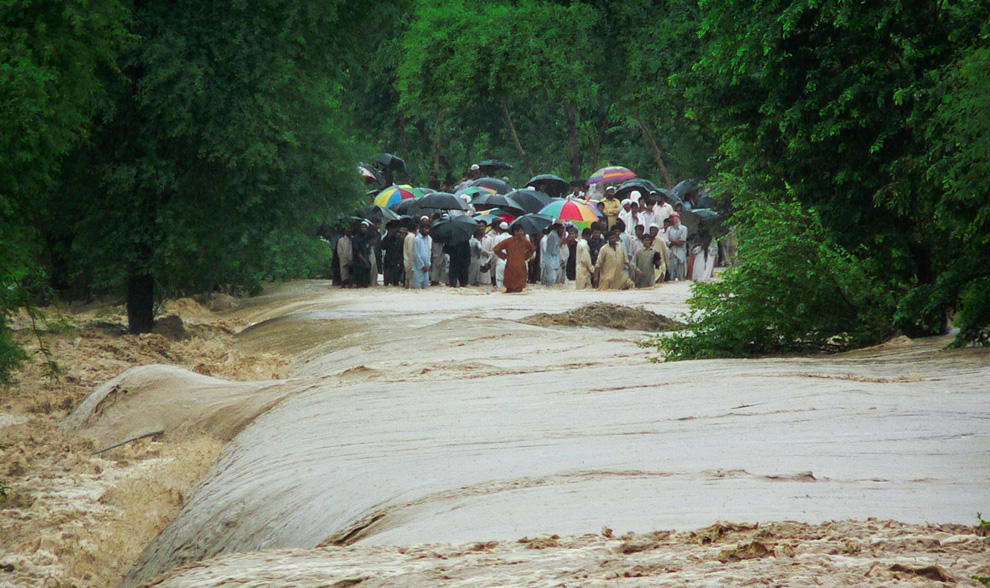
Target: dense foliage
182,146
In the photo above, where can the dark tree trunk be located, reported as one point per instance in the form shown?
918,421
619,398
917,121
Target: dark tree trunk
140,303
572,139
597,141
515,139
658,152
438,141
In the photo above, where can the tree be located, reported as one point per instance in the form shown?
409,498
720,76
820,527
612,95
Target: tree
221,145
53,58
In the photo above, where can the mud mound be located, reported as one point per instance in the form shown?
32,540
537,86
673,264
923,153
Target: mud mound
607,316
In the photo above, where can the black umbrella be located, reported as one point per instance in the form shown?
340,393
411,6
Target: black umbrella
684,188
393,163
530,200
372,176
438,201
639,184
706,214
706,202
491,165
485,201
404,207
493,184
550,184
453,230
375,212
533,223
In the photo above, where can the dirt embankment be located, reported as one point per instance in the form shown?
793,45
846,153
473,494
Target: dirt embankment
72,518
607,316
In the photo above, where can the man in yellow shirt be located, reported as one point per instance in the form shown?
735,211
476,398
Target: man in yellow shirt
611,206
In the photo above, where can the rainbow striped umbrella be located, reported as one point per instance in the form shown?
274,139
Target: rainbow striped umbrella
570,210
612,173
395,194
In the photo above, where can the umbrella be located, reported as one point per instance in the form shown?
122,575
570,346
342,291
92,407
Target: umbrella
613,173
424,190
405,207
577,212
394,194
497,214
493,185
490,165
533,223
530,200
549,183
684,188
706,202
371,175
706,214
453,230
472,191
643,186
392,162
375,212
482,201
438,201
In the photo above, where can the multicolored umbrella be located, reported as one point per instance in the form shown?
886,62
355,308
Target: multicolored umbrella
574,211
611,174
395,194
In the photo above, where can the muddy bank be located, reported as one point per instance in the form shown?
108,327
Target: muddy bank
846,553
606,316
77,519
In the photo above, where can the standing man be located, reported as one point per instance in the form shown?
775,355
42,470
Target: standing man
583,266
502,235
612,265
677,236
392,261
474,269
515,251
408,241
361,266
422,253
550,260
643,264
611,206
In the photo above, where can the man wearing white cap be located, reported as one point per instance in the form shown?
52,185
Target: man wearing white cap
502,235
677,235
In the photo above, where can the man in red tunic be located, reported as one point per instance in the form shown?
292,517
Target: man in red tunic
515,251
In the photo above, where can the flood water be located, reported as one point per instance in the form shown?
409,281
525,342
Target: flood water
426,417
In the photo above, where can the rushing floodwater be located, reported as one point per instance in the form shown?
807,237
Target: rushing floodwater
417,417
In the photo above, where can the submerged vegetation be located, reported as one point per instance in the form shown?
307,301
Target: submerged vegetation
151,149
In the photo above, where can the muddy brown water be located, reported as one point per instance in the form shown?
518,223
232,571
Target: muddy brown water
429,417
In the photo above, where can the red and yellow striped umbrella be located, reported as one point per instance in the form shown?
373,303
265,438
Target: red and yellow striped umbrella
610,174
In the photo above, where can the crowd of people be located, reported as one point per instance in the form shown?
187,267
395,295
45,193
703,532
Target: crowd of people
638,242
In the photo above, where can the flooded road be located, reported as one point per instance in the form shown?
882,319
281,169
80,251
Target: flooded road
437,417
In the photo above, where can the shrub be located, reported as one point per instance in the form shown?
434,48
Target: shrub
793,290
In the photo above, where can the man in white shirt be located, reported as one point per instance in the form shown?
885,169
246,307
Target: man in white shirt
503,234
422,253
677,236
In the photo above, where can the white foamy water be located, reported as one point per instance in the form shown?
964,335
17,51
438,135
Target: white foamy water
425,417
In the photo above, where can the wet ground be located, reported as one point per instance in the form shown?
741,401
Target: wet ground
439,417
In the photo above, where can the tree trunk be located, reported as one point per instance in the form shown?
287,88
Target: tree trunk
596,146
438,141
658,153
403,136
572,139
140,303
515,139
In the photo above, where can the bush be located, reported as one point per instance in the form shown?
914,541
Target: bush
793,290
